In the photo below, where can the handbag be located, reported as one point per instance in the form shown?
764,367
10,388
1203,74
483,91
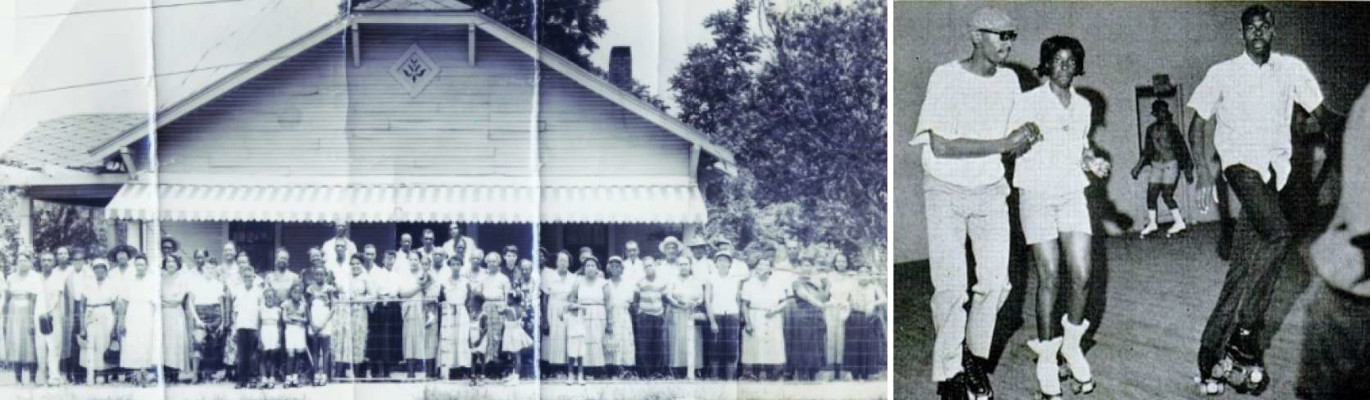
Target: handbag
45,324
112,353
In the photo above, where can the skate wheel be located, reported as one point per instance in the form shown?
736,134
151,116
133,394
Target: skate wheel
1082,387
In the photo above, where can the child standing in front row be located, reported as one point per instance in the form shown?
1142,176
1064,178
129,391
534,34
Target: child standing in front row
270,336
297,354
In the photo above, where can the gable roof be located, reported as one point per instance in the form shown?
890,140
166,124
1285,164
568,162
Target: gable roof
589,80
63,142
411,5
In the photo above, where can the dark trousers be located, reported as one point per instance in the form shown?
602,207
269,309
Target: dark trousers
1260,241
650,333
1336,347
246,340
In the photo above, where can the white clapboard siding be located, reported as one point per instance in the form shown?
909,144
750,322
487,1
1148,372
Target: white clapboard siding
317,114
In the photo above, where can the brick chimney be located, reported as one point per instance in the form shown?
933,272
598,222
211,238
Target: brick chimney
621,67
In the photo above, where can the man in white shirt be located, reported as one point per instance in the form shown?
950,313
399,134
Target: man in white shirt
246,303
78,277
961,129
633,268
1252,96
402,254
454,233
50,304
738,269
330,247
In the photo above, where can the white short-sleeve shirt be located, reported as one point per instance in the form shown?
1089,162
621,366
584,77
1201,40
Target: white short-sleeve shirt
960,104
1052,164
1254,105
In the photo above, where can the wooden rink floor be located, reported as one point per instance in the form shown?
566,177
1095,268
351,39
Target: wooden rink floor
1150,299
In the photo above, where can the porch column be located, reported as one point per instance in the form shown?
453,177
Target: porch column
25,213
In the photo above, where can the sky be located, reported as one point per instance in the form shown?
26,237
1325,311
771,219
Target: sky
65,57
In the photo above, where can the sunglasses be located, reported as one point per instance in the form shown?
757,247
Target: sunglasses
1005,36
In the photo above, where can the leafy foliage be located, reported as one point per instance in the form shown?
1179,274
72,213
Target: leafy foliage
807,121
53,225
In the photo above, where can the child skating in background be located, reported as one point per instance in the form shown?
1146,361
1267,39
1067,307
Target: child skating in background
1054,213
1167,154
296,353
270,338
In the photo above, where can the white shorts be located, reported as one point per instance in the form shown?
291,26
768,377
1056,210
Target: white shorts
1045,215
294,337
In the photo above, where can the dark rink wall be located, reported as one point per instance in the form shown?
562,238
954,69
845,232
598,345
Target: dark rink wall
1125,44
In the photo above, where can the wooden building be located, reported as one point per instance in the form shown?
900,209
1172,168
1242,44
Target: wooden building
396,116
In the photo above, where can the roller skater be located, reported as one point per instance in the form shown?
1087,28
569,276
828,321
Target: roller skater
1166,154
1054,212
964,177
1252,96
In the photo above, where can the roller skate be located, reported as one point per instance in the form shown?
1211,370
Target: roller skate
1242,367
292,381
976,380
1048,368
1077,367
1176,228
954,388
1150,228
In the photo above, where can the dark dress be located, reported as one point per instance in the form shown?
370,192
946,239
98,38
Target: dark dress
805,331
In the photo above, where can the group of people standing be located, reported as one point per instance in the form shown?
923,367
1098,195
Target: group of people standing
974,115
706,311
450,311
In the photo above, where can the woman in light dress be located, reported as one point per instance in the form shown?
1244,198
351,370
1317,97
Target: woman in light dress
763,333
685,296
350,342
620,351
557,287
588,299
139,304
23,287
454,350
835,312
100,297
178,316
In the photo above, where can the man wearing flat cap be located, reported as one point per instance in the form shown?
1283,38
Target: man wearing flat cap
962,132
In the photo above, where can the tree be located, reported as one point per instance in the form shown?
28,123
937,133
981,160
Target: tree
808,121
566,27
710,85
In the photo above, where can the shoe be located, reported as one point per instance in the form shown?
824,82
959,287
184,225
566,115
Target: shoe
1149,229
1048,367
977,381
1176,228
1077,366
954,388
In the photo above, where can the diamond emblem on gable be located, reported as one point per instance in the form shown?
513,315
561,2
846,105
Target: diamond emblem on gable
414,70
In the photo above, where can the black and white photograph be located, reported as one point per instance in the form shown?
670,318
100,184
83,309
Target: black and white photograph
444,199
1129,200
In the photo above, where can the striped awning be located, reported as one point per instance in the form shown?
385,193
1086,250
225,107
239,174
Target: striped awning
485,203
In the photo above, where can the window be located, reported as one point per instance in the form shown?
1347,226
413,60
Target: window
258,239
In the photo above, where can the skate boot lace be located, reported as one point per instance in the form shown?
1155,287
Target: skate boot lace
976,380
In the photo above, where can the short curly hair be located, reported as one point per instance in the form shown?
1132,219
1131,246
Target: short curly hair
1055,44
